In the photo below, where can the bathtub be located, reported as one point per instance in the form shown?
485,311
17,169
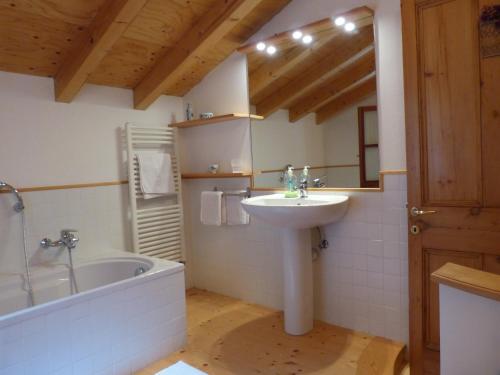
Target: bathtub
117,324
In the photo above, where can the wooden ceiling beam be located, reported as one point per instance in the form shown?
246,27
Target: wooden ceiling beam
346,100
313,99
209,30
339,51
107,27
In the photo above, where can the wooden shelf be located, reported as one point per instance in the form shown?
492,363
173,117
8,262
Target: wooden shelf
214,120
191,176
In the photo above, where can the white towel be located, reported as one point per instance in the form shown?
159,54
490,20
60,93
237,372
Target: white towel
156,176
212,209
180,368
235,214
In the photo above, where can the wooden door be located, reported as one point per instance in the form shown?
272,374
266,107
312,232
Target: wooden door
453,155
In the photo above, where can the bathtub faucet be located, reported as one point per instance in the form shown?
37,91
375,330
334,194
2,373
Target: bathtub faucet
69,239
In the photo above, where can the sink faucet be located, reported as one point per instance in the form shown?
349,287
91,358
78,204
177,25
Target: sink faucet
319,182
69,239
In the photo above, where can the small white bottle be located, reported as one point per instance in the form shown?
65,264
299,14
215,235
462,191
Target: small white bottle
189,112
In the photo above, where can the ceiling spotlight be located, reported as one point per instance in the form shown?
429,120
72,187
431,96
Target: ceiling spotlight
349,26
271,50
261,46
297,34
307,39
339,21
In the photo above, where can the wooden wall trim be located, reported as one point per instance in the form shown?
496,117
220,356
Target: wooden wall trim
468,279
364,190
123,182
311,168
72,186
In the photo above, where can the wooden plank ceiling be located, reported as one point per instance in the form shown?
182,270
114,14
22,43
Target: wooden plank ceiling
152,46
333,73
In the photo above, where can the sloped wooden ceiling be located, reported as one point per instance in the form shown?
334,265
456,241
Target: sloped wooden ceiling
332,73
120,42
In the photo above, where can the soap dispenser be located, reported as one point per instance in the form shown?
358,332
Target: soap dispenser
304,176
290,184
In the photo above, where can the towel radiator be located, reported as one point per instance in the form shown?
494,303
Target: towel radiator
157,224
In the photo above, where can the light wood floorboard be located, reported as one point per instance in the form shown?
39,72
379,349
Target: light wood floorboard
229,336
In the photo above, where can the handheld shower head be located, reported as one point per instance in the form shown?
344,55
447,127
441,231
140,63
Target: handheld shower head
19,205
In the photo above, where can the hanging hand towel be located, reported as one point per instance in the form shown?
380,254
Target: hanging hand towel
212,212
235,214
155,172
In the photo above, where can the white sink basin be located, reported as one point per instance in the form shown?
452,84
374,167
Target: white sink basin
297,213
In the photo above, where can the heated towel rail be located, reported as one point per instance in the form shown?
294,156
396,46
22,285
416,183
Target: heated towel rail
157,224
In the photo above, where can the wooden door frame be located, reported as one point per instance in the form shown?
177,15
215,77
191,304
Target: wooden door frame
415,256
363,182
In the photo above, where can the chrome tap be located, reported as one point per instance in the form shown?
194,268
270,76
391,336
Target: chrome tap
19,206
69,239
303,188
319,183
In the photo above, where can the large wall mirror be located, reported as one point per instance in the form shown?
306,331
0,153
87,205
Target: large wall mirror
315,88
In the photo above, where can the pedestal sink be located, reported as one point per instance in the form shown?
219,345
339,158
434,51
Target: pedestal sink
296,216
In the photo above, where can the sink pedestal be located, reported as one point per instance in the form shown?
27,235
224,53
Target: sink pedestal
298,280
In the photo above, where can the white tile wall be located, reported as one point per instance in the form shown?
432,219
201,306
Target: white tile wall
360,280
368,261
99,214
113,334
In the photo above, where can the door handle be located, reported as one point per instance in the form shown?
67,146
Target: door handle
414,211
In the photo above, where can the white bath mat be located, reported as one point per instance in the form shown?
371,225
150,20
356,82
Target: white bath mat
181,368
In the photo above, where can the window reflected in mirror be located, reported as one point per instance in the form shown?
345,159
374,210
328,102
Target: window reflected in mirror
316,89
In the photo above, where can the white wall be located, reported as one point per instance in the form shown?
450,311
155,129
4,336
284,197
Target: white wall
47,143
276,142
468,348
223,90
389,62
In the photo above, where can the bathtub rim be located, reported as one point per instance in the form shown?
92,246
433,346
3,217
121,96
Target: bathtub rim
161,268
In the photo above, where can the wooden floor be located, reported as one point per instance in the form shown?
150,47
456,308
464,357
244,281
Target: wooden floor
229,336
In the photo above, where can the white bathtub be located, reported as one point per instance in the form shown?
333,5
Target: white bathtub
117,324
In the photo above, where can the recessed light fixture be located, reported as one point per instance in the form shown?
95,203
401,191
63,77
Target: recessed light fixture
271,50
349,26
297,34
339,21
307,39
261,46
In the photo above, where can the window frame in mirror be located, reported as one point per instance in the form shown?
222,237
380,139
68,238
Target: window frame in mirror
363,181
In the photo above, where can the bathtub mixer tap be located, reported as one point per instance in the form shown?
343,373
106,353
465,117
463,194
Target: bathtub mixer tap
69,239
